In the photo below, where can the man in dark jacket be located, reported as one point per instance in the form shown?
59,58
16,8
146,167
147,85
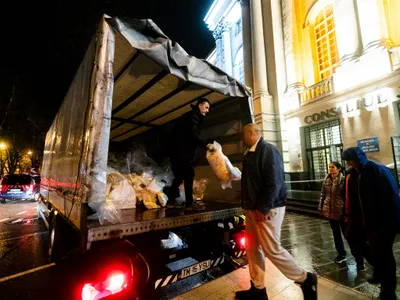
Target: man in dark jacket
185,139
263,200
379,205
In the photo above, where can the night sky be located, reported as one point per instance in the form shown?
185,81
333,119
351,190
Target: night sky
44,42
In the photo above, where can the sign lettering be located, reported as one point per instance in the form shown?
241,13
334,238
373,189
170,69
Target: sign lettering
368,102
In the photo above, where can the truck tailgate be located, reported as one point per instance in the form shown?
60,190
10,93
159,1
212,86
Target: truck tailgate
140,220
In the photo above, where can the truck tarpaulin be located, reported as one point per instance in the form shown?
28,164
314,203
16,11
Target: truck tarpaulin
76,148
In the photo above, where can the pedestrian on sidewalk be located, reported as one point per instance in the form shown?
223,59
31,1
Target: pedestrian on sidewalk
379,208
184,141
264,200
354,233
331,205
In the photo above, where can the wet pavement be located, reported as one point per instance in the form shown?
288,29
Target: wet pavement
309,239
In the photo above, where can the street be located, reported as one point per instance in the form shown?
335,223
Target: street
23,248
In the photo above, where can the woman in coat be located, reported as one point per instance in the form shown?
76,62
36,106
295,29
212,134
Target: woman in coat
331,206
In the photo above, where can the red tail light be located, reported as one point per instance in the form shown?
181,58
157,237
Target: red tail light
239,240
112,285
243,242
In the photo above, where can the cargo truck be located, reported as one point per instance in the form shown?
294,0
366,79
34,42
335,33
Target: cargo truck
131,87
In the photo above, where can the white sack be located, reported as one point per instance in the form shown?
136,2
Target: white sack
222,167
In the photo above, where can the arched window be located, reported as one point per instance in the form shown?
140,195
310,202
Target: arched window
238,69
325,41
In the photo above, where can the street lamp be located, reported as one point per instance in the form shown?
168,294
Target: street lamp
3,146
29,152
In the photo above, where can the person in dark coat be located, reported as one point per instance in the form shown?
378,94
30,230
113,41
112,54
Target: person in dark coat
185,139
378,212
263,201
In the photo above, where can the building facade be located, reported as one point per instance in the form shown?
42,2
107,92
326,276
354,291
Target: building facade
331,77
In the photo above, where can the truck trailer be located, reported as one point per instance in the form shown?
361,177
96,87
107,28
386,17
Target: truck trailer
131,88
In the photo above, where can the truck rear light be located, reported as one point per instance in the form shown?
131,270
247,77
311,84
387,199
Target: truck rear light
239,240
243,242
114,284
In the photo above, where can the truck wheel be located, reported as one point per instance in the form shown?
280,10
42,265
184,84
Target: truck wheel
62,238
55,241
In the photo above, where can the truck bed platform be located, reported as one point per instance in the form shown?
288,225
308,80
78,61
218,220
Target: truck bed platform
140,220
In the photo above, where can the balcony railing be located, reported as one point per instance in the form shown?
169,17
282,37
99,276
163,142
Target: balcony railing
395,56
317,91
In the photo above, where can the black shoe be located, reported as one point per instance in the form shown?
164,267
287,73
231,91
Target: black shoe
195,206
309,287
175,204
339,259
252,294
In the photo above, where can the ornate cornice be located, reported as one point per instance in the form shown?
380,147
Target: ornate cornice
223,26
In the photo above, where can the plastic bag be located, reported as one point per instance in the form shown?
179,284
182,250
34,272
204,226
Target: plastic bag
139,162
122,195
155,186
149,199
222,167
173,241
108,213
199,187
182,197
162,199
139,182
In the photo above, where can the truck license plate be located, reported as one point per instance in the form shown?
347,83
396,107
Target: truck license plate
197,268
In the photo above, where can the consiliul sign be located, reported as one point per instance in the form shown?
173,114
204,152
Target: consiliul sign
368,102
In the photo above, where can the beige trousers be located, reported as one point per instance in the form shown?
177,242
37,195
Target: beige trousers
263,239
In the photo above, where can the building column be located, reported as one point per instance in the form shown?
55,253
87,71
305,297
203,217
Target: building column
263,102
222,38
246,37
373,25
218,45
348,39
293,71
226,44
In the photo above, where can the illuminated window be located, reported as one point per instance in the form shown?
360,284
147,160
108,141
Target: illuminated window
325,39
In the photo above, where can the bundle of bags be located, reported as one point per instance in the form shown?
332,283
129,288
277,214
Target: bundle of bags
136,179
127,190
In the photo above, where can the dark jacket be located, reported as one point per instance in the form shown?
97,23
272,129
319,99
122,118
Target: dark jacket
378,193
332,197
185,136
263,179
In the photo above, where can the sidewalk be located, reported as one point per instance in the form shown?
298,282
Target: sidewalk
310,241
278,288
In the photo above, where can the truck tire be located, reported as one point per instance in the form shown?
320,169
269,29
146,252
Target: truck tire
62,238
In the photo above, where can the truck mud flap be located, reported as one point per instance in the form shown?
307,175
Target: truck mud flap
188,271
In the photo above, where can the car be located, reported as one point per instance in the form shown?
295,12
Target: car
17,187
